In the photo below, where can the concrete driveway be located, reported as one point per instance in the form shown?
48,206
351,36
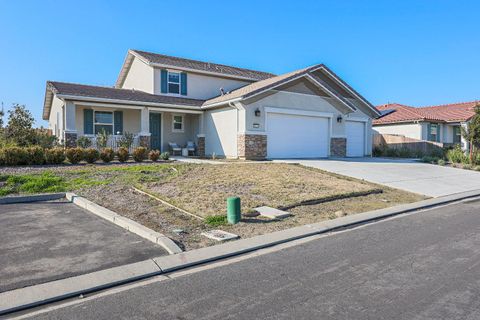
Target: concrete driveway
408,175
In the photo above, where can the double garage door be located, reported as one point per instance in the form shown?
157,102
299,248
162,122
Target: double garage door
307,136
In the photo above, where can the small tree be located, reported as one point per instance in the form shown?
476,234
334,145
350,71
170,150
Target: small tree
471,133
19,128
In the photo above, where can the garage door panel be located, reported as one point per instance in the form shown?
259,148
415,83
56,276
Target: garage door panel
355,132
297,136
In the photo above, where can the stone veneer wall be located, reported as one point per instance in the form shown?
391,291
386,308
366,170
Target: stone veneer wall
70,139
252,146
201,147
338,147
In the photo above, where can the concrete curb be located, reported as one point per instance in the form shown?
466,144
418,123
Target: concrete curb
15,300
32,198
125,223
27,297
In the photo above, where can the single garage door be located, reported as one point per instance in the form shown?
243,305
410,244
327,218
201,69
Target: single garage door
355,132
297,136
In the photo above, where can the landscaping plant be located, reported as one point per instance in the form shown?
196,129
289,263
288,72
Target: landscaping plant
154,155
74,155
122,154
14,156
102,139
126,140
84,142
54,155
165,156
91,155
36,155
139,154
107,155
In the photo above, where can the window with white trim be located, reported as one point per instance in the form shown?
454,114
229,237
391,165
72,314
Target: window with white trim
173,83
103,120
177,123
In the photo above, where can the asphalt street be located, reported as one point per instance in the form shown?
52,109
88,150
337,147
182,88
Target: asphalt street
424,265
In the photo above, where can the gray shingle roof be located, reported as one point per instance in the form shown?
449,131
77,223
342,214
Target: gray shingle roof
81,90
258,86
202,66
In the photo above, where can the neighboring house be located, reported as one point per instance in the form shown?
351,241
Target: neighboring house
434,123
227,111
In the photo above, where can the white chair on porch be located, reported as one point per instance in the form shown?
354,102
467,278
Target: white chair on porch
191,147
175,148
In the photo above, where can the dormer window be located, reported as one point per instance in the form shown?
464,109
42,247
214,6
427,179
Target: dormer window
173,82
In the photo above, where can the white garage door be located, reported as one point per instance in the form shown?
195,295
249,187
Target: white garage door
355,132
297,136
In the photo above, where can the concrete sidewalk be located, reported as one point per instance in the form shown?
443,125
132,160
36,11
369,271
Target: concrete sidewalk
409,175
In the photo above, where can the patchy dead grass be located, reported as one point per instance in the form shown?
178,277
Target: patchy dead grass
203,189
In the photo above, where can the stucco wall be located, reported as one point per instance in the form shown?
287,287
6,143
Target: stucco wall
202,86
140,77
221,132
411,130
131,118
56,112
181,138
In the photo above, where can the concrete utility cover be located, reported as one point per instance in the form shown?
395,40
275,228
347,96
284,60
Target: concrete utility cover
219,235
272,213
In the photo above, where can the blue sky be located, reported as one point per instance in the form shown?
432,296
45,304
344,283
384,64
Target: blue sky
413,52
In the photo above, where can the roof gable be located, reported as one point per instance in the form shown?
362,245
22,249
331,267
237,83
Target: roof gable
160,60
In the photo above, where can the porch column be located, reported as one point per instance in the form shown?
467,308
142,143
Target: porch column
201,137
70,132
464,143
144,135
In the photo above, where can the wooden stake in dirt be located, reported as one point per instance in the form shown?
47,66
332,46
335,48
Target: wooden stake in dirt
166,203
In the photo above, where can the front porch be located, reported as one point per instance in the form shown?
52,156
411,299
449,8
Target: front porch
151,127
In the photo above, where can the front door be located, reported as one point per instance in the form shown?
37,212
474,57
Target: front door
156,131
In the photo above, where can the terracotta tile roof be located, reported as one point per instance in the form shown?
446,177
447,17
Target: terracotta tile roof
202,66
81,90
453,112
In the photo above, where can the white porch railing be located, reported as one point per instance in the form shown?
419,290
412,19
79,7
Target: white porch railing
114,142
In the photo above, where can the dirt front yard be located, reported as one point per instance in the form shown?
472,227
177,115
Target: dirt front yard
311,195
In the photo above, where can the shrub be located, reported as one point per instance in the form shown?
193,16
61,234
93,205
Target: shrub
91,155
15,156
139,154
126,140
441,162
84,142
107,155
74,155
154,155
54,156
391,153
467,166
102,138
456,155
36,155
430,159
377,151
122,154
165,156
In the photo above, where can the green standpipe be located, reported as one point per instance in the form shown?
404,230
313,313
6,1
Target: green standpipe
234,211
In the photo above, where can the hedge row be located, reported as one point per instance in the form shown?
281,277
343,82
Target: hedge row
14,156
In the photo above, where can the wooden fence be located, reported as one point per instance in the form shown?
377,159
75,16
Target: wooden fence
394,141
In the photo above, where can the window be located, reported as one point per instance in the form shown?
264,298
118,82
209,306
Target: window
174,82
103,120
457,135
433,132
177,123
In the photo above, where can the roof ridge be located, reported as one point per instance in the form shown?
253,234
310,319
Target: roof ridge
204,62
450,104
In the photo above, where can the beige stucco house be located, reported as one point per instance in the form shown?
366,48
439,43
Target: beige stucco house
227,111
